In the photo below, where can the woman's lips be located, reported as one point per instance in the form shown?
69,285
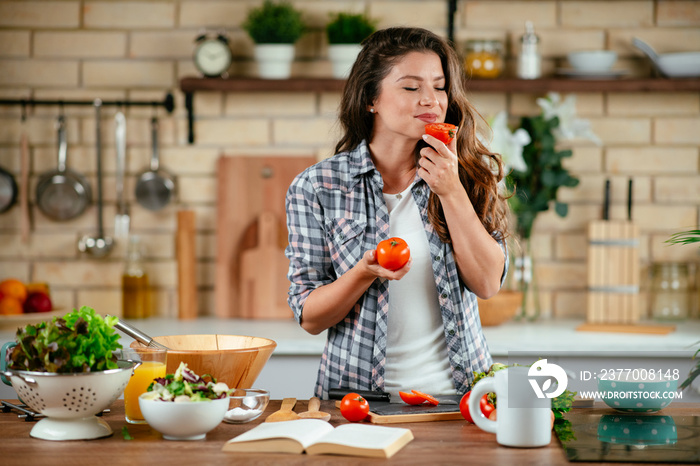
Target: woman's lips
427,117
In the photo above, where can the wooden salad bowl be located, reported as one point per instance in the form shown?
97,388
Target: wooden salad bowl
233,359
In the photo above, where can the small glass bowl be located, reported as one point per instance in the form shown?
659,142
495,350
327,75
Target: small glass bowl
246,404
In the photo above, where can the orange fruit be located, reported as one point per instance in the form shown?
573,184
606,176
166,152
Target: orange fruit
10,306
14,288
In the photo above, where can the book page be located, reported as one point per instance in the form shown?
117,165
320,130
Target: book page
362,439
304,431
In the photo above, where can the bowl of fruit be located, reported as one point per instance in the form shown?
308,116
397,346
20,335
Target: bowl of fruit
23,303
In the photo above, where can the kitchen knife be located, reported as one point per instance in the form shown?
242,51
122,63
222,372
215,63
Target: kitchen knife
606,201
369,395
629,199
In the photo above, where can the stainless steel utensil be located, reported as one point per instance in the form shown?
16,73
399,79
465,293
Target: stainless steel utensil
62,194
138,335
155,187
100,245
122,220
25,221
8,190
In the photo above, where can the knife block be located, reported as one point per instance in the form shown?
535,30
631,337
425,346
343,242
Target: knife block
613,272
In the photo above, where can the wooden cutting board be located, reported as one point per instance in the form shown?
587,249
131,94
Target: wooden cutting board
263,272
247,186
395,413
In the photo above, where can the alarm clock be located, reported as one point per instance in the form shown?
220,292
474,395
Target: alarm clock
212,54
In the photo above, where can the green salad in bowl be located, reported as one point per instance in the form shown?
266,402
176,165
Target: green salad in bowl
185,386
184,405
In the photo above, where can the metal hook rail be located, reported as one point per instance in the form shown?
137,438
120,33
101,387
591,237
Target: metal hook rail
168,103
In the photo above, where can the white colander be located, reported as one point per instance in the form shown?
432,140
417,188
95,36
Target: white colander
70,402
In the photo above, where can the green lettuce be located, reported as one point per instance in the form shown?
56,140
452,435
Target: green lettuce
80,341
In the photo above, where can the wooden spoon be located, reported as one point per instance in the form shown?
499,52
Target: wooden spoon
313,412
285,413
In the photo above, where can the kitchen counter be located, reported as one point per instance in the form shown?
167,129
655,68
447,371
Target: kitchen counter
556,337
292,368
440,442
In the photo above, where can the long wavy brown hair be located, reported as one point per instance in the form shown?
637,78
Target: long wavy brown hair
480,170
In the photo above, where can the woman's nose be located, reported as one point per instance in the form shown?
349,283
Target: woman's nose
429,98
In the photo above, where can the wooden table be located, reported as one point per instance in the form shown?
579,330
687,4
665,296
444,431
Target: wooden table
442,442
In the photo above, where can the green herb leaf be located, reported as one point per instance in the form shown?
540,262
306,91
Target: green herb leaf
126,434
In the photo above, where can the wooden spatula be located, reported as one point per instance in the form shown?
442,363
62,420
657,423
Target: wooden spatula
285,413
313,412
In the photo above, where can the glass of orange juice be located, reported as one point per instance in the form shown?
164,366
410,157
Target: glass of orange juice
151,364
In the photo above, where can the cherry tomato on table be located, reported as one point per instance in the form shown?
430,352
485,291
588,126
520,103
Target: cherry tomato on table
486,407
445,132
393,253
353,407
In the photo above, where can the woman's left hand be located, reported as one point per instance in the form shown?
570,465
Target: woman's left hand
438,165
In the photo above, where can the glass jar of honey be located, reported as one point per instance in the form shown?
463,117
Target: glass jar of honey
484,58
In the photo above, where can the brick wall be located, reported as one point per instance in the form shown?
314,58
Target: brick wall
70,49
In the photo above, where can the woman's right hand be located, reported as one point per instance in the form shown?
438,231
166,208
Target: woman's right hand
369,261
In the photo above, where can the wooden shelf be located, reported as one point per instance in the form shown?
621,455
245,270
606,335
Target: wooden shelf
189,85
475,85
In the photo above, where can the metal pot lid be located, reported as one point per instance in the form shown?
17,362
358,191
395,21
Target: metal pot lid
8,191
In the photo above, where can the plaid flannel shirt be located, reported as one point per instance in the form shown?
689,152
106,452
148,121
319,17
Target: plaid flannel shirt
336,212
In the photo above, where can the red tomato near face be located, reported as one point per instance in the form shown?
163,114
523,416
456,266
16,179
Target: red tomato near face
411,398
486,407
445,132
393,253
353,407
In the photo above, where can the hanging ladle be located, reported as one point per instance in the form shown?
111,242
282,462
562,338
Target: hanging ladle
100,245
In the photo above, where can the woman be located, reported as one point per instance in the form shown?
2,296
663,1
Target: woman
417,327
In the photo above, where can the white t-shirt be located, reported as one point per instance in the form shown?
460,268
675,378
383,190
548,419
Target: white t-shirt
416,350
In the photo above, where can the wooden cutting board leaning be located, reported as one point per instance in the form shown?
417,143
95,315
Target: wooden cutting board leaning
249,186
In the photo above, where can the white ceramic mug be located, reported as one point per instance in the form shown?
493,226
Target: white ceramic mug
523,419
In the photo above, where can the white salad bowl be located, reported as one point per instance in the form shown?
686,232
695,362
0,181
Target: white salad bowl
188,420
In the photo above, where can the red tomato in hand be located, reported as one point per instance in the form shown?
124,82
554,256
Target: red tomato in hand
445,132
411,398
393,253
353,407
486,407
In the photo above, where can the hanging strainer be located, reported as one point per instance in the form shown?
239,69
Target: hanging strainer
70,402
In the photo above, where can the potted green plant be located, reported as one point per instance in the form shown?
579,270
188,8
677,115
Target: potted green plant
536,172
345,34
274,27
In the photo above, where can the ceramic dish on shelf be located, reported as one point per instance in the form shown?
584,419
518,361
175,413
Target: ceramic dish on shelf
579,74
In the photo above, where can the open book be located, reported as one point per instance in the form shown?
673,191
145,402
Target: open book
316,437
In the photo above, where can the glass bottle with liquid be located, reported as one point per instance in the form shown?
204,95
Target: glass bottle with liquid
670,291
530,58
136,302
